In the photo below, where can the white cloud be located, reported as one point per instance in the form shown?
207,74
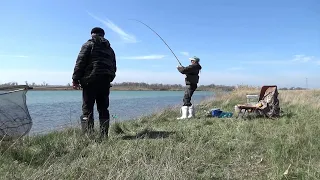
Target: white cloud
13,56
296,59
271,62
125,36
302,58
185,53
148,57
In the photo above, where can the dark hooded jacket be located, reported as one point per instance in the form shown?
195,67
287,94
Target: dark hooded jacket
191,72
96,62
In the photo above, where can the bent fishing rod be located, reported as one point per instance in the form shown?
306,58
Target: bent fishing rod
160,38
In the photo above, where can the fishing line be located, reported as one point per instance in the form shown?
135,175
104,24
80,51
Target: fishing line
160,38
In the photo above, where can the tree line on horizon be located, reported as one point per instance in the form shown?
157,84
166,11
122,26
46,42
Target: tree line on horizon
155,86
142,85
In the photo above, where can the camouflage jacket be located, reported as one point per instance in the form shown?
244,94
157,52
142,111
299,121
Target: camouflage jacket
95,60
191,72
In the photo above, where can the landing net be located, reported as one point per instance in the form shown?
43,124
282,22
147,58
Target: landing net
15,120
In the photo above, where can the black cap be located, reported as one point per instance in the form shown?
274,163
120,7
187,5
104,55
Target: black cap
97,30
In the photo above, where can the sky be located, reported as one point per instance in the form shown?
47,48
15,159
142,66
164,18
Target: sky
244,42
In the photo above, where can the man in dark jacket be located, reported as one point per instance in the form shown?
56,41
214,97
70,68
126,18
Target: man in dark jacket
94,70
191,80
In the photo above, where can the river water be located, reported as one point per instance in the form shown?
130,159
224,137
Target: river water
53,110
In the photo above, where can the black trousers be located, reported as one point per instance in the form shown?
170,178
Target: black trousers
188,94
99,93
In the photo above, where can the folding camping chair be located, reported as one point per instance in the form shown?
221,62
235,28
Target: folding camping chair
267,105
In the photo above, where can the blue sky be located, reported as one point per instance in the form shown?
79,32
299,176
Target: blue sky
238,42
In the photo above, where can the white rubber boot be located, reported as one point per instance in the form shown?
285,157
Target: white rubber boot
192,111
184,112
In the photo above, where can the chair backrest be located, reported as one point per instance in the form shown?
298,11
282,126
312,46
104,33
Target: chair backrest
266,91
269,97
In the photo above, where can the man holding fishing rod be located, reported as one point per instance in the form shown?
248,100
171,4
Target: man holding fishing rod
191,80
94,71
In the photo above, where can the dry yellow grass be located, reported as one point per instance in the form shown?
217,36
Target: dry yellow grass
161,147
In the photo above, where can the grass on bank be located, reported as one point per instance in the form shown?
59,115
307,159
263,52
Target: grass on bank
161,147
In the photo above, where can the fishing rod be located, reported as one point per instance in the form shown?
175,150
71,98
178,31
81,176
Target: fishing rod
160,38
